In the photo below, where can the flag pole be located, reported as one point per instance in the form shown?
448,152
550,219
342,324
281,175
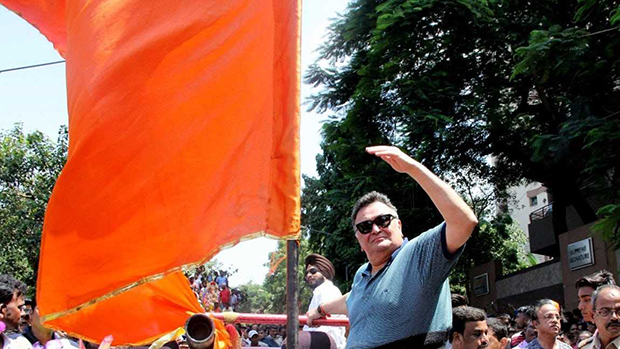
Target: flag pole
292,308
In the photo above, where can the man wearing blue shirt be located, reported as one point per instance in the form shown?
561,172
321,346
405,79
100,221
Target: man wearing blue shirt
401,297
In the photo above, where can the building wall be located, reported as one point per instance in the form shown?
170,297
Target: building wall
488,301
521,207
604,258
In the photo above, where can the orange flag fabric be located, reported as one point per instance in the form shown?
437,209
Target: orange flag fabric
183,139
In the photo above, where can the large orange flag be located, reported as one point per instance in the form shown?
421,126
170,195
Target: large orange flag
184,137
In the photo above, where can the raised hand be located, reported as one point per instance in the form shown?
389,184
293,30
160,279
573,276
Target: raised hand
399,161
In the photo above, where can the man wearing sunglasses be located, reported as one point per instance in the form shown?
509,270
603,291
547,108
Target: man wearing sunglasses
401,297
319,275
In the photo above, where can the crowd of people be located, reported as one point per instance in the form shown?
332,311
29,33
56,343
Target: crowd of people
212,290
595,324
400,298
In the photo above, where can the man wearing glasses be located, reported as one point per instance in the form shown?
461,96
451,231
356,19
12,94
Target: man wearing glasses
401,297
606,316
546,318
319,275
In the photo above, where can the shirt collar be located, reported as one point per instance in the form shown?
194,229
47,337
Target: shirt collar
597,342
368,269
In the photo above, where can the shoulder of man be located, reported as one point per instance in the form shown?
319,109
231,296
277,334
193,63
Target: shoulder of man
16,342
586,343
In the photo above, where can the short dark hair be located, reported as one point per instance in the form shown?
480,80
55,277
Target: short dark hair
459,300
500,330
463,315
524,310
598,291
368,199
596,280
542,303
9,286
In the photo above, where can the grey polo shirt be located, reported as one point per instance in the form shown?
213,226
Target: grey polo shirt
409,296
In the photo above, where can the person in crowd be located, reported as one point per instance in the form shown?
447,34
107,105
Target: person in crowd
282,334
213,296
319,275
524,316
402,277
234,299
530,334
255,339
547,320
573,335
225,297
267,338
505,318
497,333
222,279
586,286
26,318
42,337
606,316
469,329
11,310
245,339
459,300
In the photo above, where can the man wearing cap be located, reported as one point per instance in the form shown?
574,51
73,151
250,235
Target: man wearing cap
319,274
255,339
401,297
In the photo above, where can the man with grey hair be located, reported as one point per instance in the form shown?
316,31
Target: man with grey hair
401,297
606,316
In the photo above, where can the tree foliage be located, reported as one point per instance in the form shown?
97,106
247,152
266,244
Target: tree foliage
29,166
532,85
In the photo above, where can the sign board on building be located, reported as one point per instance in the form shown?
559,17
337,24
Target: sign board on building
580,254
481,285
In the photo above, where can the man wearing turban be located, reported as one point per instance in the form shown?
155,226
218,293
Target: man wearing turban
319,274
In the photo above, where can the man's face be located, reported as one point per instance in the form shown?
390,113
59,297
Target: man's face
474,336
12,312
314,278
521,320
573,332
495,343
605,318
261,334
530,332
379,240
548,320
585,302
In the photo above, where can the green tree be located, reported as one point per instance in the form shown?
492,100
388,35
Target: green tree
29,166
534,85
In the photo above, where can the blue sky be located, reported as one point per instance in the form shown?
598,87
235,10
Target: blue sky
37,98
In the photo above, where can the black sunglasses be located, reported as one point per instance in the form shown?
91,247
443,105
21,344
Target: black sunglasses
382,221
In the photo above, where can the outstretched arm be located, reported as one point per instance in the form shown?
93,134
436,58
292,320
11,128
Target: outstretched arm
460,219
335,306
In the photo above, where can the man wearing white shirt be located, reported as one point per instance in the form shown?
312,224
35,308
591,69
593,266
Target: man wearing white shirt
319,273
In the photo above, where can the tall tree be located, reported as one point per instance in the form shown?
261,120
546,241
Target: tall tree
29,166
534,85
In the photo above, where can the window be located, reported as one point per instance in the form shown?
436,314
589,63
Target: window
533,201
